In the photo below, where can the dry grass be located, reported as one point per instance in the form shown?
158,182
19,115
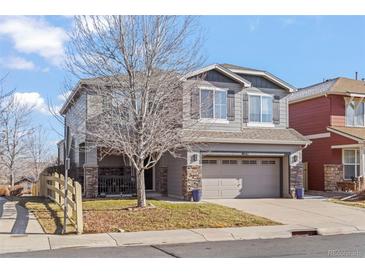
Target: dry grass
111,215
48,213
360,203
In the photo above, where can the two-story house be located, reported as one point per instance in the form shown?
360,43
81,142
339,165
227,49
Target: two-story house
244,147
331,115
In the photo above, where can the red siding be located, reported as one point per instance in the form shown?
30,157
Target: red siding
310,117
337,110
319,153
313,117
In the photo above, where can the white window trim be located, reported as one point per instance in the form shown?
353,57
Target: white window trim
357,162
258,124
346,106
212,120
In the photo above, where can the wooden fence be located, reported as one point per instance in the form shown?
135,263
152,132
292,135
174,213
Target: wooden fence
52,187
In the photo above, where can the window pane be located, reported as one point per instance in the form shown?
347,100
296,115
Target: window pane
220,105
349,171
359,115
266,109
206,106
350,114
357,170
349,156
255,108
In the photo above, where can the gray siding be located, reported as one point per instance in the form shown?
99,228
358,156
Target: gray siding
174,173
238,123
259,81
75,118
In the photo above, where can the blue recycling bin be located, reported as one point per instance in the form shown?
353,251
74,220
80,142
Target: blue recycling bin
197,195
299,192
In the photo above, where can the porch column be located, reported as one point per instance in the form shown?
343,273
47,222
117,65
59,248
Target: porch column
91,176
362,159
192,175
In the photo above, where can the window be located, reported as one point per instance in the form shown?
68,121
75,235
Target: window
355,114
249,162
260,108
229,162
211,162
213,104
351,163
268,162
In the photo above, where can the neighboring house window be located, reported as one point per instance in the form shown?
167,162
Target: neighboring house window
213,104
355,115
260,107
351,163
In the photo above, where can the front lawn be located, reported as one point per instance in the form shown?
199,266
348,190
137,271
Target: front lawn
113,215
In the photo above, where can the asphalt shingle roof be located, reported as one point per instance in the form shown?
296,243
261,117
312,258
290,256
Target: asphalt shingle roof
337,85
249,135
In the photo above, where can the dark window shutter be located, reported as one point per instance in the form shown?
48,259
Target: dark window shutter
195,104
230,105
245,108
276,110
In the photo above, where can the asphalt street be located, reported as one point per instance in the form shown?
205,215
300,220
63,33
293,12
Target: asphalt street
338,246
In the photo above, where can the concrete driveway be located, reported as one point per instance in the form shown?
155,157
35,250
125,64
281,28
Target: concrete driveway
311,213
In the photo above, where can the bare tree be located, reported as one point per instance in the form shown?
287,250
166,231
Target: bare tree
137,63
15,130
38,151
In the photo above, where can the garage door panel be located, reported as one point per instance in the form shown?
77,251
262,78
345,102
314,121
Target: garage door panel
244,178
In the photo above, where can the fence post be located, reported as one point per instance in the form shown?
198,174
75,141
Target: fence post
78,201
43,186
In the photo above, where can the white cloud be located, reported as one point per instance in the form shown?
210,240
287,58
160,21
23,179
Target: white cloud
35,35
62,97
32,99
17,63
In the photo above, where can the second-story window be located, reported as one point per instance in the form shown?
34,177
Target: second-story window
355,114
213,104
260,107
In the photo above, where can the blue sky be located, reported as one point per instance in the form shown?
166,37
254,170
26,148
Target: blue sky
302,50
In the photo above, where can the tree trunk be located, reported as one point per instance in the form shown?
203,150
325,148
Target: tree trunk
12,182
141,191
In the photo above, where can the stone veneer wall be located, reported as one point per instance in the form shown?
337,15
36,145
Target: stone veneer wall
296,177
333,173
161,179
91,182
192,179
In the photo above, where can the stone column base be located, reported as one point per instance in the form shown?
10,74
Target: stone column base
296,177
192,179
333,173
91,181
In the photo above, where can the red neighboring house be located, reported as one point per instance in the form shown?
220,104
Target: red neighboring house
331,115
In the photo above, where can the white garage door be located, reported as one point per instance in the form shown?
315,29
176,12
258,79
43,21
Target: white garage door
241,178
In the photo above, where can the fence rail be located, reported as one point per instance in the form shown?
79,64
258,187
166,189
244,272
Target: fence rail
52,187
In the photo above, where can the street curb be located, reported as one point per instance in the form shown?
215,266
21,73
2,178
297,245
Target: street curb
43,242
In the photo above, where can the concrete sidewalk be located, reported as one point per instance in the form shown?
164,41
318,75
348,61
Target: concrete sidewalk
22,243
15,219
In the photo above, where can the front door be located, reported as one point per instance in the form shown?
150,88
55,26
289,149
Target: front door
148,179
